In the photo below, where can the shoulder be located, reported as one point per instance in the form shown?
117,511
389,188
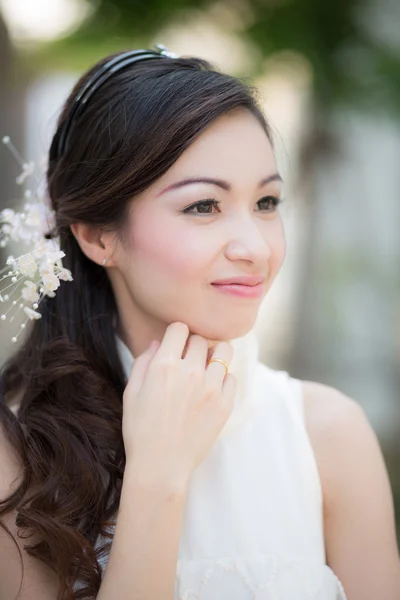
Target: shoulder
338,429
39,581
11,466
322,403
346,446
359,520
330,412
10,477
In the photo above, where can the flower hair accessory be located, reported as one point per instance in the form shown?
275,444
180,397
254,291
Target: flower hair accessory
27,279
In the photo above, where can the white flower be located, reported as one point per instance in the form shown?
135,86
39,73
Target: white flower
43,262
31,225
50,283
29,292
65,275
16,227
46,268
27,265
55,256
39,217
35,215
32,314
39,249
7,215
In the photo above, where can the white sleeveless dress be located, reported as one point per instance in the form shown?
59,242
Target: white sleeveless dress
253,524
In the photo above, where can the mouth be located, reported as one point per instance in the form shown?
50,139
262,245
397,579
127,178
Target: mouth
240,290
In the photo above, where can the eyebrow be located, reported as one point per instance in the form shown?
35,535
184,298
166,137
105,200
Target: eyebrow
218,182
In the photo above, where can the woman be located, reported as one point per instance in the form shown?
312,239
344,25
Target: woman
186,480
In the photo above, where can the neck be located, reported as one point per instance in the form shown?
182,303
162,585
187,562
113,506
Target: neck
140,342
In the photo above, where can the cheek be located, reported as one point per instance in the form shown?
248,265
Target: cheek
170,252
277,243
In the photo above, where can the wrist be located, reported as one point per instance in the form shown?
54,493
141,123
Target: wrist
143,476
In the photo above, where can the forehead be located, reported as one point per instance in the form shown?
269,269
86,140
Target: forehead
234,146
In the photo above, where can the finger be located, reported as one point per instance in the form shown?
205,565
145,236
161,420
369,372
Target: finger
229,389
196,352
216,371
141,365
173,342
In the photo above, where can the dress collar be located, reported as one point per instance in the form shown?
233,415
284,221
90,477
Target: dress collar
243,365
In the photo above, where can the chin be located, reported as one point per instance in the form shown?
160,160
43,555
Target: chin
223,331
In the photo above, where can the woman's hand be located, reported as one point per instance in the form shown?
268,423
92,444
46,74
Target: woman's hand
174,407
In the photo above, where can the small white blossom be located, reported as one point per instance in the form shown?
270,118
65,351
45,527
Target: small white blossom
65,275
27,265
46,268
40,270
35,215
40,249
55,256
50,283
29,292
7,215
32,314
39,217
16,228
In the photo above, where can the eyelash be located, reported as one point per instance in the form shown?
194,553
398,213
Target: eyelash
212,202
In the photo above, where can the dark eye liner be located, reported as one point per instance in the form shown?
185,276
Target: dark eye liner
212,202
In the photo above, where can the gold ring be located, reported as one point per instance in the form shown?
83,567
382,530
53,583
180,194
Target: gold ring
221,361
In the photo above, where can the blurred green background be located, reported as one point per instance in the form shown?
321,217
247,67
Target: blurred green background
329,78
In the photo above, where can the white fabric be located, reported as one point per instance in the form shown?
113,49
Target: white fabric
253,526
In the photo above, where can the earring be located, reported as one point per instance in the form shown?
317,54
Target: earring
105,260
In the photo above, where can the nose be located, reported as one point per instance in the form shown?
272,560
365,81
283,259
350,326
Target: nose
249,242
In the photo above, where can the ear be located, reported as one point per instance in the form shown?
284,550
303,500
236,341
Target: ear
95,243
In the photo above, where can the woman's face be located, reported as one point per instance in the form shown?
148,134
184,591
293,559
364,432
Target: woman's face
164,272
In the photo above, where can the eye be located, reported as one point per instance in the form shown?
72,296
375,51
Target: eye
205,206
204,203
273,201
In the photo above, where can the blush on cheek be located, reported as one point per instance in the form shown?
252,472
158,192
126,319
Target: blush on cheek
169,251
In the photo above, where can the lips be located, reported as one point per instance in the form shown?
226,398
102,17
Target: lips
240,290
246,280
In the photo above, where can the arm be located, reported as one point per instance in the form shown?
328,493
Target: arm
360,534
144,551
143,556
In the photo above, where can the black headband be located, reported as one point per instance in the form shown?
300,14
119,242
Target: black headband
115,64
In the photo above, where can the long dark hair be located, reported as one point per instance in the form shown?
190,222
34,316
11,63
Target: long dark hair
67,373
